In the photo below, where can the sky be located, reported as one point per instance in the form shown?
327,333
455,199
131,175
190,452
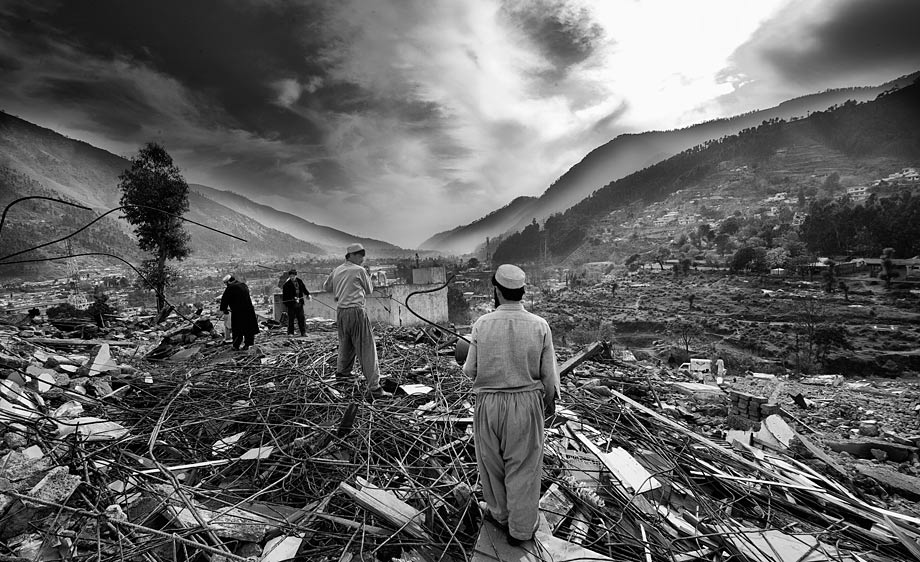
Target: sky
398,119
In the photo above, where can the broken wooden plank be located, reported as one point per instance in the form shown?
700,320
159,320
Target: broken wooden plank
823,457
579,358
386,505
78,342
637,500
628,471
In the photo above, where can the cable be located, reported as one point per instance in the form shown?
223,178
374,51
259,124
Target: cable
7,208
422,318
100,217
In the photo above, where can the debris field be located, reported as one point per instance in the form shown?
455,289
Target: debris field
181,449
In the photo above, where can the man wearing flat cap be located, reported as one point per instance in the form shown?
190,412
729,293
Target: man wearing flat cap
293,293
350,284
513,365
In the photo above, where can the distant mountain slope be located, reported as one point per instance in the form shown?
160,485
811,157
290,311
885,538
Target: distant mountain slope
857,140
329,239
38,161
464,238
632,152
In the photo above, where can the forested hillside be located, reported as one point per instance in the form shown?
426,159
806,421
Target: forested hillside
888,127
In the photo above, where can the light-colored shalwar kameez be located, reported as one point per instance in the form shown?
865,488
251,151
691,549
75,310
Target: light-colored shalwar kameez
350,284
513,364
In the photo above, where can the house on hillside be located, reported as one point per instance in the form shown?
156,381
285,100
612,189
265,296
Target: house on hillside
799,218
858,193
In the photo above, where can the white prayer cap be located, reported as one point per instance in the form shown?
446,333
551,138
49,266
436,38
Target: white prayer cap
509,276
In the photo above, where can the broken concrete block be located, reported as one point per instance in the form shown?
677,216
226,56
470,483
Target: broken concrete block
780,429
869,428
33,453
16,438
91,429
40,379
100,386
69,409
56,487
862,448
700,392
229,524
21,471
101,361
896,482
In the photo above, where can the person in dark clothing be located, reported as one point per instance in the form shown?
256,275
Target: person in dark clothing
243,322
293,292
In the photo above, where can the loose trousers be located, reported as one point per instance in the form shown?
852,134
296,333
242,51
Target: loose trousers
356,338
508,435
295,312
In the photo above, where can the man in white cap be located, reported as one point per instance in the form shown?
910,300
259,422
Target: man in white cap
513,365
350,284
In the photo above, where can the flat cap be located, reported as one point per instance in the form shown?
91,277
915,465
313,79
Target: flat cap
352,248
509,276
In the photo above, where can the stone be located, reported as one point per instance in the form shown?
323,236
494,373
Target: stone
56,487
21,471
16,437
100,386
869,428
880,455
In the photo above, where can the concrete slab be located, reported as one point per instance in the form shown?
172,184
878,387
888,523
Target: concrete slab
699,391
862,448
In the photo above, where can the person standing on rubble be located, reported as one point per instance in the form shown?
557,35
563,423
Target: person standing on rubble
243,322
293,293
350,284
513,366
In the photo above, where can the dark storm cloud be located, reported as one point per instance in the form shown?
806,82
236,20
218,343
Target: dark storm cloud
230,50
564,33
97,100
812,43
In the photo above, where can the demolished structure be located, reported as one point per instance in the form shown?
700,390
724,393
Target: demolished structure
177,448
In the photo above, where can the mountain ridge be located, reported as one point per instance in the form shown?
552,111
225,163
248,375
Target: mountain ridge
35,160
631,152
329,239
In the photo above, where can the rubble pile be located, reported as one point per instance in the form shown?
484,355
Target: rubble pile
181,449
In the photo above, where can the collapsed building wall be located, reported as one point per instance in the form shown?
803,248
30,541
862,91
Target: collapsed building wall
386,305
